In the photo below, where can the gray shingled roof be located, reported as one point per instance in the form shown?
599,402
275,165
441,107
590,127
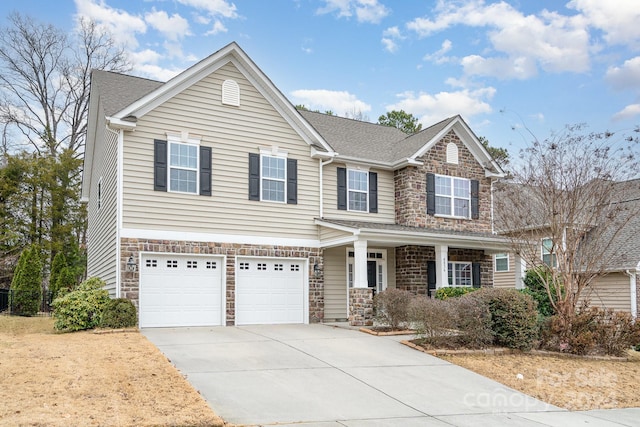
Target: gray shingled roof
370,141
117,91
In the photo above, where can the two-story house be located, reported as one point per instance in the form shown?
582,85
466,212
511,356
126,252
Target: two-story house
213,201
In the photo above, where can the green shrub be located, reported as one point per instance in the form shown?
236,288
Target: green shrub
392,307
82,308
66,281
452,292
119,313
59,262
513,317
27,283
473,321
534,287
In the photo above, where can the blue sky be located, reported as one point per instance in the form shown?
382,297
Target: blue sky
507,67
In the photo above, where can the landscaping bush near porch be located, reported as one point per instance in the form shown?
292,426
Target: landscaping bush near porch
82,308
392,308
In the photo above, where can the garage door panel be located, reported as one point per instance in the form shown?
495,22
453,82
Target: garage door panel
180,290
269,291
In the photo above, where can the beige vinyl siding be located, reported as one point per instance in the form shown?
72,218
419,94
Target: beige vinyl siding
335,284
504,279
386,197
329,234
103,223
232,133
610,291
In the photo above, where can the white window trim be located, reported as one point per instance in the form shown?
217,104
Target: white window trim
550,252
495,262
349,190
452,197
277,153
380,263
183,138
453,273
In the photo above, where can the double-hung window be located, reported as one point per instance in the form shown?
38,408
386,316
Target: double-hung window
183,167
358,189
273,178
501,262
460,274
453,196
548,255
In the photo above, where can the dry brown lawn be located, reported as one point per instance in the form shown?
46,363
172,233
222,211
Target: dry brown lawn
571,383
88,379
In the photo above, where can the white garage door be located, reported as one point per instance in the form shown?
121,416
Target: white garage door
270,291
180,290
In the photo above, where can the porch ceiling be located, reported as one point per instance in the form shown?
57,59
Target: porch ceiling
400,235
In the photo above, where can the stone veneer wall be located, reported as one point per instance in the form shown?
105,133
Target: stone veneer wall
129,284
360,306
411,266
411,187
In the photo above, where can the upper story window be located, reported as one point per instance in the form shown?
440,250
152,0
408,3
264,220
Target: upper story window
183,167
453,196
548,253
358,189
501,262
460,274
273,178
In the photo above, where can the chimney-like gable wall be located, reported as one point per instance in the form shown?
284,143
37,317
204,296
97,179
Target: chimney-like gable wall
411,188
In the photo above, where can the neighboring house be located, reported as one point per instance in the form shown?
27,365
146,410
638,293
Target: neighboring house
618,288
213,201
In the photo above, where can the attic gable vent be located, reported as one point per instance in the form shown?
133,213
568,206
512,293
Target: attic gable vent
230,93
452,153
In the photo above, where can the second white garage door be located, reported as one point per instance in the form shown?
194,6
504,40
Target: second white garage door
181,290
270,291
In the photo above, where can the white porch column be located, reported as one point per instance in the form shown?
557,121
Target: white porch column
442,262
519,269
360,264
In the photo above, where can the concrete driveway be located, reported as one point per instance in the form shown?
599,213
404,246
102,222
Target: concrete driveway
318,375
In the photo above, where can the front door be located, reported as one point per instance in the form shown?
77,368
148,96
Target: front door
372,274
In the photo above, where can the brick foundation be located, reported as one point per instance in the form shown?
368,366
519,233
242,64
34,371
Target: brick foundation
130,281
361,306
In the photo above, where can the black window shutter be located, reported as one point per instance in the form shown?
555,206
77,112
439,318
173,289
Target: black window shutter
373,192
431,277
475,201
342,189
205,171
475,275
431,194
254,176
292,181
160,165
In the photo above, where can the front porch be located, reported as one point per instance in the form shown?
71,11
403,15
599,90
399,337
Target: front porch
362,258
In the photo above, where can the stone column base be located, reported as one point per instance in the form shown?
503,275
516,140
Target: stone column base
360,306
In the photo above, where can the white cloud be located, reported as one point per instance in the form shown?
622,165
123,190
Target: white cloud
173,27
551,41
626,76
156,72
340,102
370,11
431,108
122,25
628,112
438,56
213,7
390,36
618,19
218,27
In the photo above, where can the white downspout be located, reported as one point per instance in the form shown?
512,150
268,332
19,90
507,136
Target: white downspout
119,198
633,291
321,166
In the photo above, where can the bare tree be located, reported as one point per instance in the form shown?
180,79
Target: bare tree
569,207
44,80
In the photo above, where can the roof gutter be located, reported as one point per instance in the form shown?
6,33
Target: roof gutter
121,124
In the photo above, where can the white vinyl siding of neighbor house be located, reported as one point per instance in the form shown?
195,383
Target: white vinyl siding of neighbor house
102,228
232,133
386,197
505,279
610,291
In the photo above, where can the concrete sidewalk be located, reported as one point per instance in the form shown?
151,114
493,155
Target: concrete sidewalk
317,375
